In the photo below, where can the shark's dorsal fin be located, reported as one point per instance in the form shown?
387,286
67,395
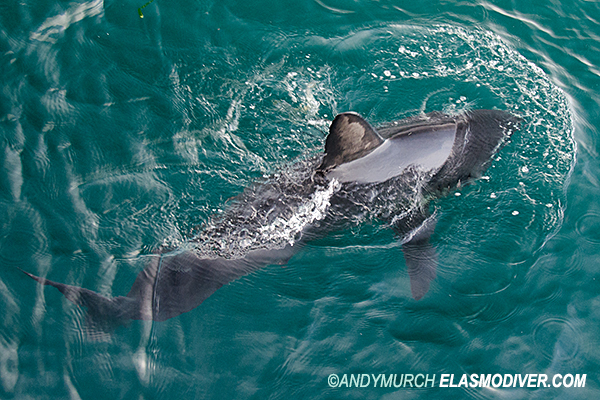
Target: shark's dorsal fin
350,137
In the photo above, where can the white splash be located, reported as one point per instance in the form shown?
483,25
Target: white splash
313,210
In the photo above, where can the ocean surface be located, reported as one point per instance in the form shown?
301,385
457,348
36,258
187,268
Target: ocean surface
122,136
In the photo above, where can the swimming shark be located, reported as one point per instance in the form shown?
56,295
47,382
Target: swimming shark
387,174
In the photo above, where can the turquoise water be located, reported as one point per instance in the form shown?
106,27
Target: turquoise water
123,135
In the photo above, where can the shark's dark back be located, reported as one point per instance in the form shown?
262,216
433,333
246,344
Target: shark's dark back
418,122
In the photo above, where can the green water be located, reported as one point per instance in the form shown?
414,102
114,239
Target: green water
122,135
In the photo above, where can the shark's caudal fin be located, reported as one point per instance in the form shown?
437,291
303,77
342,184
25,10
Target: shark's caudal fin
350,137
104,314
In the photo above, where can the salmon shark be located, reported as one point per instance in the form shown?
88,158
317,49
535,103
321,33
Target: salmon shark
388,174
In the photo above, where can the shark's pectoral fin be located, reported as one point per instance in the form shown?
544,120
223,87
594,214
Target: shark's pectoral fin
421,262
421,256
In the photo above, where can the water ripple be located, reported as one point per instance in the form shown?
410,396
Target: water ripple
22,235
549,338
54,27
588,226
9,364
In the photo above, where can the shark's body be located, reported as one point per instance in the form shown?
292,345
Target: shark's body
389,173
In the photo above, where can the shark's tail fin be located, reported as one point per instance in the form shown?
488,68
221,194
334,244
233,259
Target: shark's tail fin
104,314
